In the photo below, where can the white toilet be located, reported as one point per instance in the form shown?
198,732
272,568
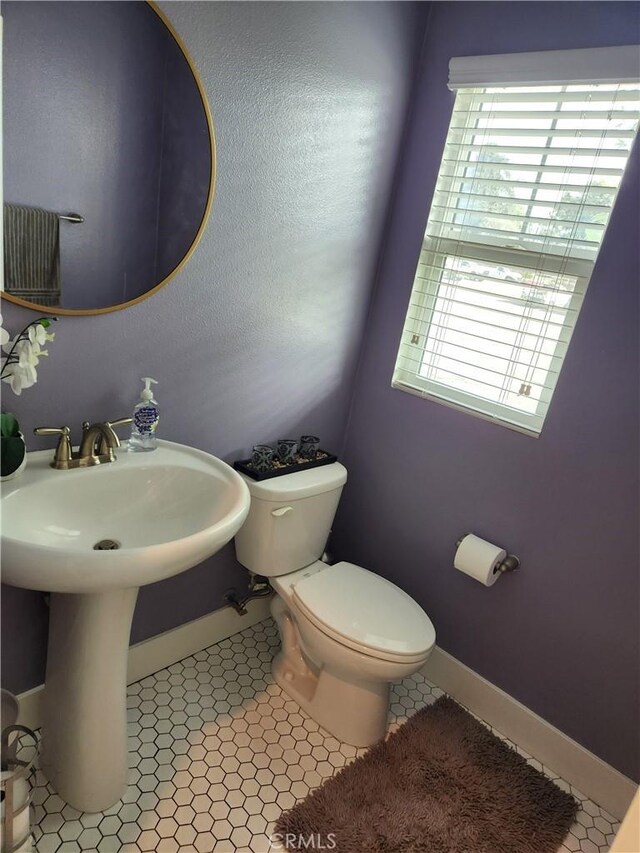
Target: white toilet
346,633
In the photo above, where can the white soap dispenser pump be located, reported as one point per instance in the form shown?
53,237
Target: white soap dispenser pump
145,419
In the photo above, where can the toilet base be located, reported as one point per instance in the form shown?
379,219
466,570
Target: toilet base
345,691
353,712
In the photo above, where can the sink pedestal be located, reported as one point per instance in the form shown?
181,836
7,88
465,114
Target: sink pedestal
188,505
84,726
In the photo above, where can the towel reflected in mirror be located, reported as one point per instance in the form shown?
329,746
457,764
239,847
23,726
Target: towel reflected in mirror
32,254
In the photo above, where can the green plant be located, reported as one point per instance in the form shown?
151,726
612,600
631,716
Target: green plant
12,446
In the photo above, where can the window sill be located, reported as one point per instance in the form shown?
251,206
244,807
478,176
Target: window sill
425,395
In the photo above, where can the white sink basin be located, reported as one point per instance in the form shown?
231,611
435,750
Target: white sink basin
167,511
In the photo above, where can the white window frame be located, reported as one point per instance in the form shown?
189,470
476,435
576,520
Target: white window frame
410,381
608,65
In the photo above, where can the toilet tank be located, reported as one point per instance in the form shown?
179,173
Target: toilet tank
289,520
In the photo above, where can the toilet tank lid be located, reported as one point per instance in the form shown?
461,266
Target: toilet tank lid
301,484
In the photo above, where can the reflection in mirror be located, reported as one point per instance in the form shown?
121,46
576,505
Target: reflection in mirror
108,153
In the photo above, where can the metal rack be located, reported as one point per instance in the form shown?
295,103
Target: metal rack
17,769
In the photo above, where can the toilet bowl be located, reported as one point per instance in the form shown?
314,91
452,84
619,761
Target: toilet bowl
346,632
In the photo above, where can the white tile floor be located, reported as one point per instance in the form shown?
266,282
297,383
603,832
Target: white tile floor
217,750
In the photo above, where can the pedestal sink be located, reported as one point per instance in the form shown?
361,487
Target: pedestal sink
155,514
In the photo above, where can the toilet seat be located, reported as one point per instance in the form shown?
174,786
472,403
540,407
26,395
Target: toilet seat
365,612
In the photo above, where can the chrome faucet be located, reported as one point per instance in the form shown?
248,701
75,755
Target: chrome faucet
98,442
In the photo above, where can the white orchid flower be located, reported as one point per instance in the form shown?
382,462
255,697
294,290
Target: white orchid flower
5,337
15,382
21,378
25,351
37,334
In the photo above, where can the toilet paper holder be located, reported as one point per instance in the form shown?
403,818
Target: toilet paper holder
509,564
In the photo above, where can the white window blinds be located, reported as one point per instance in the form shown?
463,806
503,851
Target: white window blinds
527,182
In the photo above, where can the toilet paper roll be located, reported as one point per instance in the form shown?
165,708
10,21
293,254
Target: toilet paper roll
479,559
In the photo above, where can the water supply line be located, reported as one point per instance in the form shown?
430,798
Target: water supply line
259,587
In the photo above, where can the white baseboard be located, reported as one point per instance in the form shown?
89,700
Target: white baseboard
161,651
588,773
602,783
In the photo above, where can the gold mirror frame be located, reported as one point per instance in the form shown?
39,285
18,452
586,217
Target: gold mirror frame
77,312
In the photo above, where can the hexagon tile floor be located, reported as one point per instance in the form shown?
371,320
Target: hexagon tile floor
217,750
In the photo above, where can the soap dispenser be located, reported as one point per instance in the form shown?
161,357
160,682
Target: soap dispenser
145,419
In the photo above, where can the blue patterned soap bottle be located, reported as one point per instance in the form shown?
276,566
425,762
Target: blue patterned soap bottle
145,420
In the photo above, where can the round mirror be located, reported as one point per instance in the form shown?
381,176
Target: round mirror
109,154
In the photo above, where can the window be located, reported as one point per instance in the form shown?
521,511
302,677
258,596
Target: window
527,182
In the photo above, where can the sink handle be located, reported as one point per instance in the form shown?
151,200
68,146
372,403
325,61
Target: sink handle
120,422
52,431
112,424
63,452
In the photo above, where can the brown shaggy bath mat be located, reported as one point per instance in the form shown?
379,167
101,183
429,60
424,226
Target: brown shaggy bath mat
443,783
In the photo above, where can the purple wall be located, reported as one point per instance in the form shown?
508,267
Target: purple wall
259,334
562,634
125,126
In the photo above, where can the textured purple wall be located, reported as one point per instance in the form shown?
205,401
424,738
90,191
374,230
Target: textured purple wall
258,336
562,634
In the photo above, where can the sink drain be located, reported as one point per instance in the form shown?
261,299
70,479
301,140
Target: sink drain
106,545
